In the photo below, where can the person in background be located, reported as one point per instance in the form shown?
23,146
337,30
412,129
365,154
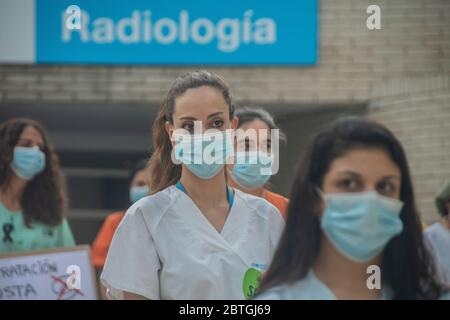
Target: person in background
246,175
32,190
138,188
437,236
352,228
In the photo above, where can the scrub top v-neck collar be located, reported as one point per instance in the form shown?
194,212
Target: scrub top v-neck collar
230,197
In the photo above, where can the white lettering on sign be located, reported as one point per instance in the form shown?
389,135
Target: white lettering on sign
229,33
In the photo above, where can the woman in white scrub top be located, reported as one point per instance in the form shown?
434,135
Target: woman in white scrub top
194,237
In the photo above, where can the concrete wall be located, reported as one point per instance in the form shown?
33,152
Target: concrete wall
414,39
417,110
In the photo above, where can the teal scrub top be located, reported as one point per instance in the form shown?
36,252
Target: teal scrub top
16,236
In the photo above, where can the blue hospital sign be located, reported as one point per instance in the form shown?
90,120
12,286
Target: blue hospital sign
176,31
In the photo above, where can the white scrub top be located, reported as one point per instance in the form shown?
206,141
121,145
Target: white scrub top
437,237
309,288
165,248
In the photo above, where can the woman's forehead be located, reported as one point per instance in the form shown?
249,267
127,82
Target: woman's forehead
255,124
200,102
31,133
375,162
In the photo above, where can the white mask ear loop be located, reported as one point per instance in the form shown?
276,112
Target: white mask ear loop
320,193
321,196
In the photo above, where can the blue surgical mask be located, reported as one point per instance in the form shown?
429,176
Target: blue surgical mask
252,169
204,154
137,193
28,162
360,225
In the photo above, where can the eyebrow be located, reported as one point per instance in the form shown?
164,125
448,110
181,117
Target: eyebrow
26,140
215,114
210,116
392,176
353,173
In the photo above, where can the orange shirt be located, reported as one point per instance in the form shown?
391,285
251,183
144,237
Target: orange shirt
103,240
277,200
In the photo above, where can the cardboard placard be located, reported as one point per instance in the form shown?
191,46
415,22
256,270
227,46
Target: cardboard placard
53,274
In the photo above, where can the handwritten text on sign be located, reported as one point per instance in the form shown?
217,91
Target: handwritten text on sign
62,275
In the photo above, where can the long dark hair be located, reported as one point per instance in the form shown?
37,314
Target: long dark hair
162,172
44,198
407,267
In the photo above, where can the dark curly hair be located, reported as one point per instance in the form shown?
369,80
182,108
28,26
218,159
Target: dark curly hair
44,198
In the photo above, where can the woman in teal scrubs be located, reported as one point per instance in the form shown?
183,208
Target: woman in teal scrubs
32,192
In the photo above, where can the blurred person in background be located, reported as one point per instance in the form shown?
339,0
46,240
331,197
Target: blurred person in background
255,155
32,190
138,188
437,236
352,208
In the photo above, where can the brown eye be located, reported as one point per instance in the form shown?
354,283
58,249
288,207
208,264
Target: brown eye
189,126
218,123
250,145
241,145
247,144
386,188
268,146
24,143
349,185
